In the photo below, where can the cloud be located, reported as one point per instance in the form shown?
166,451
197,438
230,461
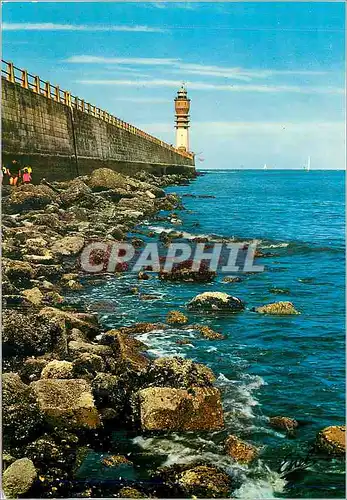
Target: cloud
148,61
269,89
78,27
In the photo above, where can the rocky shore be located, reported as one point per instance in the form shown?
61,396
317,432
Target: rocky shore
68,384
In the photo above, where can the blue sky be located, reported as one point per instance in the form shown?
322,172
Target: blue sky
266,80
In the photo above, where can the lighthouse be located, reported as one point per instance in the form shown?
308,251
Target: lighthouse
182,105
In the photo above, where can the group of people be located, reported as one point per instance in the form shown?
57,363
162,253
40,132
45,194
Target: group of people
15,174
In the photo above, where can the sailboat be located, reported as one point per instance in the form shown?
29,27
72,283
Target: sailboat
308,164
265,167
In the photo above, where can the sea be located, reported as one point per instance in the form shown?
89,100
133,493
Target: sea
291,366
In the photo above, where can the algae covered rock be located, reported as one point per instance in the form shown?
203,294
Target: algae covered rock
34,295
21,417
179,373
128,492
58,369
164,408
18,478
284,423
208,333
332,440
18,272
216,301
66,403
76,191
29,197
281,308
240,450
176,318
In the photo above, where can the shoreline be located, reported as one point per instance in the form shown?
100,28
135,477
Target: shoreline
69,338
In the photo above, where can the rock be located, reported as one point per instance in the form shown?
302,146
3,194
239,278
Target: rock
332,440
176,317
18,272
163,408
29,197
279,291
20,413
33,295
105,178
115,461
183,341
231,279
87,365
76,348
183,272
68,246
109,392
88,324
128,351
27,334
32,368
195,480
143,276
142,328
75,192
208,333
277,308
216,301
117,234
240,450
284,423
18,478
180,373
66,403
128,492
58,369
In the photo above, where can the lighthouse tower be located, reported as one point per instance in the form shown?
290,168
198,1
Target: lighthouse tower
182,105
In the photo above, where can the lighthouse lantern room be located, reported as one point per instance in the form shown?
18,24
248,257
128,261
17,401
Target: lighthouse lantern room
182,106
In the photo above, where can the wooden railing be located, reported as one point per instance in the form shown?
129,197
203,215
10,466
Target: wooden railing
45,88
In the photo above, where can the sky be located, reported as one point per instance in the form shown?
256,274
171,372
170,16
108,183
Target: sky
266,80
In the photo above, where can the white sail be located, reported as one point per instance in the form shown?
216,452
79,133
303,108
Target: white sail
265,167
308,164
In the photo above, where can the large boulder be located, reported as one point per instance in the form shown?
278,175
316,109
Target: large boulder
332,440
87,323
68,246
216,301
109,392
194,480
179,373
183,272
76,191
128,351
66,403
28,334
21,417
281,308
104,178
239,450
58,369
33,295
29,197
18,478
18,272
196,409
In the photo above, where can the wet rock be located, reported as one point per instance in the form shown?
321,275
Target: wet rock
66,403
115,461
128,492
18,478
76,348
86,323
231,279
142,328
176,317
33,295
163,408
208,333
178,372
32,368
109,392
117,234
143,276
216,301
284,423
20,413
240,450
128,351
68,246
183,272
279,291
332,440
57,369
196,480
29,197
278,308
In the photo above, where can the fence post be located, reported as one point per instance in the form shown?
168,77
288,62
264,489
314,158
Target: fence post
25,83
67,98
48,90
36,84
10,73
